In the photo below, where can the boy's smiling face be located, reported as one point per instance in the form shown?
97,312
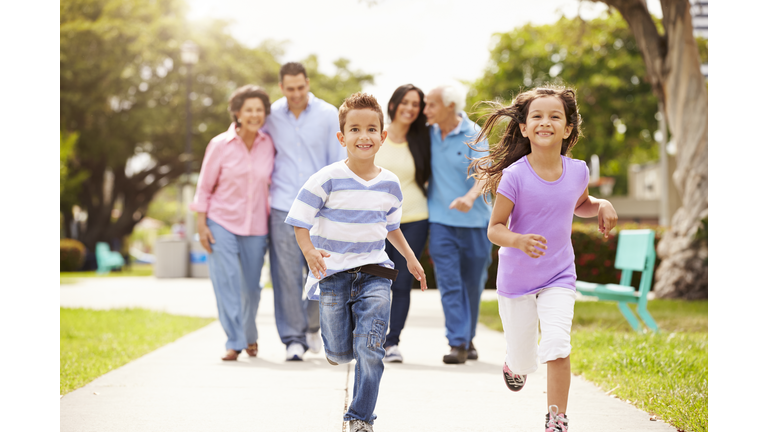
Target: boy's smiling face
362,135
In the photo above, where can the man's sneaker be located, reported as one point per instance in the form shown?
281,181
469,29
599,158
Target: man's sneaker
360,426
314,342
513,381
393,355
471,352
458,355
295,352
556,422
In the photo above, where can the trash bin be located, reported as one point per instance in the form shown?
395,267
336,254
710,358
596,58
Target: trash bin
171,258
198,260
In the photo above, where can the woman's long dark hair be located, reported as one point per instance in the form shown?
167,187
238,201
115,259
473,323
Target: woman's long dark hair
513,145
417,135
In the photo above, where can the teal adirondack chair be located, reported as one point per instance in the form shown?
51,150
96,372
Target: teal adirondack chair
106,260
635,252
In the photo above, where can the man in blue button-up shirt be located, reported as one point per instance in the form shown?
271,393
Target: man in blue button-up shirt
458,220
303,129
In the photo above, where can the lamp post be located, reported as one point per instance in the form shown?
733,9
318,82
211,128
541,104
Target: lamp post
189,56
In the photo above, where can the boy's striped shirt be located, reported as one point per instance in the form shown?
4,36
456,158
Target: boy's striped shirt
347,217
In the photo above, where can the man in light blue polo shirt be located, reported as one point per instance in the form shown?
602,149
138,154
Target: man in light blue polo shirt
458,220
303,129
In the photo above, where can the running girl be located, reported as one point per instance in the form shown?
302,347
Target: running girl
538,190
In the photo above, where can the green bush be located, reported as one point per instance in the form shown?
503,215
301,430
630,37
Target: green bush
594,256
72,255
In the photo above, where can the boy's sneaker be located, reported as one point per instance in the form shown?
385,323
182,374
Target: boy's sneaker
360,426
295,352
556,422
314,341
393,355
513,381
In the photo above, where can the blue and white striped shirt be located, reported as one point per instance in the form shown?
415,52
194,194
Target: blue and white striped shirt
347,217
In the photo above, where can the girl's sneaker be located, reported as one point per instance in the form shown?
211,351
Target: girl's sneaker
514,382
556,422
360,426
393,355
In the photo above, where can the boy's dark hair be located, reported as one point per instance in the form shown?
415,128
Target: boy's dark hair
513,145
359,100
239,96
292,68
417,135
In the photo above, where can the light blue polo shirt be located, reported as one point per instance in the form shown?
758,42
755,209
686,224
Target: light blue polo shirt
303,146
449,176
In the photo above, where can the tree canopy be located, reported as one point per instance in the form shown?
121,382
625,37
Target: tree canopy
123,93
601,61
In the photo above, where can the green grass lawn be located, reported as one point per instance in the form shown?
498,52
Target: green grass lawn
133,270
664,374
94,342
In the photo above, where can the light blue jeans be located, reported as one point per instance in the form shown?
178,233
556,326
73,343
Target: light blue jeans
294,316
235,266
461,257
354,314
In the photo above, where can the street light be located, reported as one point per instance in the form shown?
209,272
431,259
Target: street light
189,56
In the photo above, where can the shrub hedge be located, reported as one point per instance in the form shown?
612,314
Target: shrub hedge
594,256
72,255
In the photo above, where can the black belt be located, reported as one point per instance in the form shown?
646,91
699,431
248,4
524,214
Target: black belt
375,270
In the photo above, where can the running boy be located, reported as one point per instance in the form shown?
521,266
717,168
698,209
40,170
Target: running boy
341,217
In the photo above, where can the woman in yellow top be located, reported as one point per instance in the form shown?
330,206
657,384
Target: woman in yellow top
406,152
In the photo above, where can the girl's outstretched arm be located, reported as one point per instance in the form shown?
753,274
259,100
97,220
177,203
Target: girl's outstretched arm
533,245
589,206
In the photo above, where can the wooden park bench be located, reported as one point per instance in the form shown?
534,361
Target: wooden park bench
635,252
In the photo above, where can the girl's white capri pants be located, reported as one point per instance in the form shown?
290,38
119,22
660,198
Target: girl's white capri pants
520,316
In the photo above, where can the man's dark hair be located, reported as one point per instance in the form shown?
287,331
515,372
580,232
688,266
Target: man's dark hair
292,68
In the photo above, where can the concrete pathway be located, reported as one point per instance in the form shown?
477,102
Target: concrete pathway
184,386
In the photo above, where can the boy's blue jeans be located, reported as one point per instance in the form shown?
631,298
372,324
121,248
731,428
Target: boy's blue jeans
354,314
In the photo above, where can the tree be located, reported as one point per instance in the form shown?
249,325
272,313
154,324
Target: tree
600,59
334,89
123,92
674,72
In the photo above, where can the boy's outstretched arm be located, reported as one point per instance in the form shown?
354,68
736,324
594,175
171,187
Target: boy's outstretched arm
314,257
397,239
589,206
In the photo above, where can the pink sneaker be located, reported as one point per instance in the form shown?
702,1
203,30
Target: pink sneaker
556,422
514,382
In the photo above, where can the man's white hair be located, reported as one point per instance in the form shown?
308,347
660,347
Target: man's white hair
455,94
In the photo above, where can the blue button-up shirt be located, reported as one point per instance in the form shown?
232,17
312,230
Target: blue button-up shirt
449,176
303,145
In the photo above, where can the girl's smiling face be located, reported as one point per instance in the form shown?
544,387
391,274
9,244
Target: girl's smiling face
546,124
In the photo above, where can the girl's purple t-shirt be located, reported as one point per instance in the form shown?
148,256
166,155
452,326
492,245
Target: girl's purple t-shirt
544,208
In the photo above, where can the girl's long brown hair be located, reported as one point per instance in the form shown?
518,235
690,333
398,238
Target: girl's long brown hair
513,145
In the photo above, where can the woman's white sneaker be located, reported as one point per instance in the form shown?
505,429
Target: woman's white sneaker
393,355
314,341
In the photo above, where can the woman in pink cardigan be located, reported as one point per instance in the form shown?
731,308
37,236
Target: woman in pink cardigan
232,208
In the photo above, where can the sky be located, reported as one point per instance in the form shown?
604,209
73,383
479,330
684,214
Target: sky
422,42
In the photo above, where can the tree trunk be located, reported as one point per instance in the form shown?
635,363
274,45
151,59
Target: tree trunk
134,192
672,63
